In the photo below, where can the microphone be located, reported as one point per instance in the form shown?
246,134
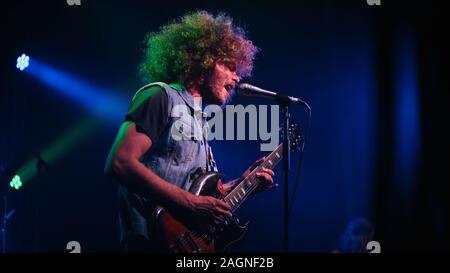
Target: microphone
248,90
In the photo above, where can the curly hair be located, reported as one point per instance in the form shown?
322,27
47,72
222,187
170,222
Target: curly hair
186,50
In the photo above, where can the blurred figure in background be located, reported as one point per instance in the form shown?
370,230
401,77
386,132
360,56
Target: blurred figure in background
359,232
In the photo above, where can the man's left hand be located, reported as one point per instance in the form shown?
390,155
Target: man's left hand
265,176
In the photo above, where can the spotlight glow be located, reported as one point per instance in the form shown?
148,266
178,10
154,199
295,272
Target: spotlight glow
23,62
16,182
103,102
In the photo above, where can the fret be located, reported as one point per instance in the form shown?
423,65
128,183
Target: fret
251,182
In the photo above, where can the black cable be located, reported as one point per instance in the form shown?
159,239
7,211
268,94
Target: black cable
297,176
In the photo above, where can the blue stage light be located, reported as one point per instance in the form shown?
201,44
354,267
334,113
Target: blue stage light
22,62
104,102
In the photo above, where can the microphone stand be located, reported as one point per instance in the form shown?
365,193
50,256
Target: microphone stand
284,102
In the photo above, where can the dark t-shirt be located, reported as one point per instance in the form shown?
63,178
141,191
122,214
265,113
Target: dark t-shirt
149,111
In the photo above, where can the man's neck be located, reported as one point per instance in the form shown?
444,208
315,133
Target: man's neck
195,91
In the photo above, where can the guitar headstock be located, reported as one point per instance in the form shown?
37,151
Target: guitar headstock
295,137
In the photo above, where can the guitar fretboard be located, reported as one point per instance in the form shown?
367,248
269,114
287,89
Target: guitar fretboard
238,195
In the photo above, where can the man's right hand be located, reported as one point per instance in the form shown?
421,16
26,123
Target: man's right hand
210,208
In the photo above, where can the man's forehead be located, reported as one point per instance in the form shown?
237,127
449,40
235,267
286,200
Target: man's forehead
230,63
227,61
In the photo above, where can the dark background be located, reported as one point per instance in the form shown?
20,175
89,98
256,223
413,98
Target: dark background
375,76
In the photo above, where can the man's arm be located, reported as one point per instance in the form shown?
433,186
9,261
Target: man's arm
123,163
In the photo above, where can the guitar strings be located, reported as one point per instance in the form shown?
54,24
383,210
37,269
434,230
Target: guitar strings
254,184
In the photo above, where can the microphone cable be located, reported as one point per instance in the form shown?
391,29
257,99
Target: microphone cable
300,160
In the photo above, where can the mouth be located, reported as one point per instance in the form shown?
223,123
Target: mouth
229,87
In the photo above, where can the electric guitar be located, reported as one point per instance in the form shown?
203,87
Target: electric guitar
180,234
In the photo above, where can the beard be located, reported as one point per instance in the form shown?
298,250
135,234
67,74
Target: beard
215,94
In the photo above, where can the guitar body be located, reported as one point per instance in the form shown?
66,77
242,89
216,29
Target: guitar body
185,235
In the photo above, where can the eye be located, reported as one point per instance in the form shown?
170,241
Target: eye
232,66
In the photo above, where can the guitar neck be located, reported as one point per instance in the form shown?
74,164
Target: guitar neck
238,195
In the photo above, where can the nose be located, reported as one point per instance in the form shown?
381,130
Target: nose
236,78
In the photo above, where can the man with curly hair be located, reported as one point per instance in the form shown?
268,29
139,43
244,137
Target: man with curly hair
198,57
